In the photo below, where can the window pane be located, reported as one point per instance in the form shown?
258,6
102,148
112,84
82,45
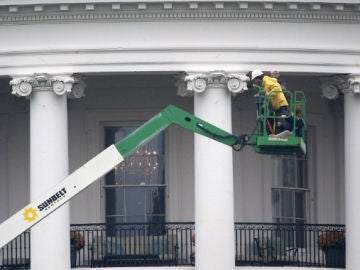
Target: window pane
135,202
287,220
276,202
119,175
146,165
135,189
288,195
155,210
156,214
114,201
299,205
287,204
301,174
288,173
277,172
135,219
157,169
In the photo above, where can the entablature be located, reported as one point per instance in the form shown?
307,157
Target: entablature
45,11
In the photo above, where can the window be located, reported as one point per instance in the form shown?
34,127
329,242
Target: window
289,193
289,189
135,189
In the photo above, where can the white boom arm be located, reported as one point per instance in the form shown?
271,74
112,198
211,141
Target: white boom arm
103,163
59,194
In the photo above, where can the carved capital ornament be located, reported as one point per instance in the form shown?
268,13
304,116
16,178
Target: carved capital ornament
199,82
331,87
354,84
59,84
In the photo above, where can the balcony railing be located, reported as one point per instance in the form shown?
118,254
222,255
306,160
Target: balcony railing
16,253
290,244
140,244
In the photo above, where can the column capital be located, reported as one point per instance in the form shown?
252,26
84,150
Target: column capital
198,82
354,83
23,86
78,88
332,86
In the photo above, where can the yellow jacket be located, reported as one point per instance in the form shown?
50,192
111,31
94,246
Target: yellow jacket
273,90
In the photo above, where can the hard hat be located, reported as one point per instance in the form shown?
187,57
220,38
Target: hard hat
256,73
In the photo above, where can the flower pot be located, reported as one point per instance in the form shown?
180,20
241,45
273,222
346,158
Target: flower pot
335,256
73,257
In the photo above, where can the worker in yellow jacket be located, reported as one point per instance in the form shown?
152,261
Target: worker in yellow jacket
276,96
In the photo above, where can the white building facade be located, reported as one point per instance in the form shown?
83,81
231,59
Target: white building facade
73,72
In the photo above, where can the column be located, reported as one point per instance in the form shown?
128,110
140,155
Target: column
50,239
214,198
352,183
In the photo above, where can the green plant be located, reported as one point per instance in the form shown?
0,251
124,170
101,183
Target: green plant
331,239
76,240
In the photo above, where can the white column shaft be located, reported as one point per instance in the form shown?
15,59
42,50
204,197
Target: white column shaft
50,239
352,183
214,212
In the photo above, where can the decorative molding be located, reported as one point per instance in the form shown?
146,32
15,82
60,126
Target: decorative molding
196,82
78,88
297,11
60,84
329,91
354,83
23,86
333,86
199,82
237,83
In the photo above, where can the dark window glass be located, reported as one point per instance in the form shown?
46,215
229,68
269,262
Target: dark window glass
135,189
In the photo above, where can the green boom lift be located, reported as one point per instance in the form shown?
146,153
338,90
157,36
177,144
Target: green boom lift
115,154
265,140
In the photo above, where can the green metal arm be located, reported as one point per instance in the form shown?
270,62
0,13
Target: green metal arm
172,115
102,163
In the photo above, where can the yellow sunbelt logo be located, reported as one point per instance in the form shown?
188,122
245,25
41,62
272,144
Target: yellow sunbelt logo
30,214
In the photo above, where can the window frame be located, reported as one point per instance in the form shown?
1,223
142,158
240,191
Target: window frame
132,186
304,189
95,121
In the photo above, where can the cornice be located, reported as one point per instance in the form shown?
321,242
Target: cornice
102,11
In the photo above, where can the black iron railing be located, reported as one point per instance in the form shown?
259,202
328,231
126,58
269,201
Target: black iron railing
290,244
140,244
134,244
16,253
